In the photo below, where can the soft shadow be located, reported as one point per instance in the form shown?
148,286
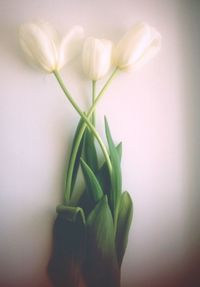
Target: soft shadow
189,29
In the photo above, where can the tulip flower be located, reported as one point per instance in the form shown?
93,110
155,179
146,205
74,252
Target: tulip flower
43,46
137,47
96,57
90,233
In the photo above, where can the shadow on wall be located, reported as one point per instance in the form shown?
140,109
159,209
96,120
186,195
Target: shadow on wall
186,276
191,46
188,273
190,36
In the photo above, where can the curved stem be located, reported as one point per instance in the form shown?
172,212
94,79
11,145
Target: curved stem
86,121
93,100
101,93
80,135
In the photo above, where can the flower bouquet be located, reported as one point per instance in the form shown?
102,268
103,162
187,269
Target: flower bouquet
90,232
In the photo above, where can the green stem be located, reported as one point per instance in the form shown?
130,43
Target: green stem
80,135
93,100
87,123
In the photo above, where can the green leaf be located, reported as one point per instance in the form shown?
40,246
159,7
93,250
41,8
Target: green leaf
103,175
70,212
92,184
119,151
77,160
68,250
86,202
101,267
90,153
116,180
123,225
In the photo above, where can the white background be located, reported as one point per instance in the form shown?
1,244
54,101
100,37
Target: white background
154,112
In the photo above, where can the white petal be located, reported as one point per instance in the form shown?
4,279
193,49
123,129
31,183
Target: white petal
38,46
96,57
150,52
132,45
88,57
104,58
50,31
70,46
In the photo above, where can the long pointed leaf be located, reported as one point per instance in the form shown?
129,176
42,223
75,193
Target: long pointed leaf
77,160
123,224
103,175
116,180
101,267
119,150
90,153
92,184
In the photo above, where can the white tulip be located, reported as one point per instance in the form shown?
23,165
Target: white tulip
43,46
137,47
96,57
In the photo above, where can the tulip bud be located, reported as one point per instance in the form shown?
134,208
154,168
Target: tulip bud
137,47
96,57
43,46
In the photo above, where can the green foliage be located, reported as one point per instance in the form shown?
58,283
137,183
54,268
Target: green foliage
101,268
78,155
91,235
92,184
103,175
68,250
116,180
123,225
90,153
70,212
